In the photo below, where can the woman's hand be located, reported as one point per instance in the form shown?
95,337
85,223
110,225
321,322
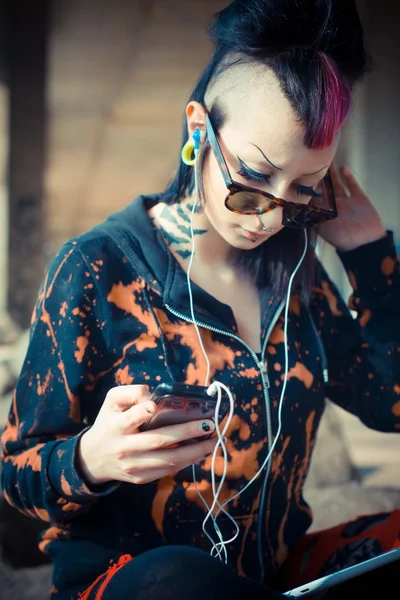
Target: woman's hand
358,222
114,449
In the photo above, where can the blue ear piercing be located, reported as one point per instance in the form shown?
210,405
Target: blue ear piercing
191,146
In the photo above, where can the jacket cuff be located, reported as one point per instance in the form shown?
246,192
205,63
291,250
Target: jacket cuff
65,478
374,274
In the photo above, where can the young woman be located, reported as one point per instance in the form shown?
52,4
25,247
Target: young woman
114,318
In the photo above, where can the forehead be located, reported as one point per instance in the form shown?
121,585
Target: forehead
261,115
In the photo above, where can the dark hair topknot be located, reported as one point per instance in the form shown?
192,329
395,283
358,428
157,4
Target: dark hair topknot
262,27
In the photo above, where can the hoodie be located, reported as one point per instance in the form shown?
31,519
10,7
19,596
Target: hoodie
114,310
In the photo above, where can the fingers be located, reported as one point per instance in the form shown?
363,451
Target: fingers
137,415
338,186
167,436
351,182
344,183
154,465
123,397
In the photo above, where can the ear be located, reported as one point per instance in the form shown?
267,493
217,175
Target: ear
196,118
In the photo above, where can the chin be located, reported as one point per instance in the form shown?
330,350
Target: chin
244,244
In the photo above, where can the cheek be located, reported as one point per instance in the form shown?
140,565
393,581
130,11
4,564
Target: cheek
215,193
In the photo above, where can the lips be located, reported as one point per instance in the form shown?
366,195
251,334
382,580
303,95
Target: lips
254,235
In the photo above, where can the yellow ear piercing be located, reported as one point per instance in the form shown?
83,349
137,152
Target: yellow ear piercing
191,147
187,152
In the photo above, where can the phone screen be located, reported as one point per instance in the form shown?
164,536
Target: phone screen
192,404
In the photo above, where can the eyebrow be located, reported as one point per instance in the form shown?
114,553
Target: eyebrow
280,169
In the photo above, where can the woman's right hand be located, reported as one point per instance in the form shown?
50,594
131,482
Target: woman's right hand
114,449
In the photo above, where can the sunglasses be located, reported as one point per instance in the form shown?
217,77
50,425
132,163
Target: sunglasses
247,200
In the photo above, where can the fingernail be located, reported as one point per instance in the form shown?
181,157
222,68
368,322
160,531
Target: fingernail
207,426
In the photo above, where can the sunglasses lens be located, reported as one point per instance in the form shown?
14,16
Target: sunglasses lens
249,203
316,208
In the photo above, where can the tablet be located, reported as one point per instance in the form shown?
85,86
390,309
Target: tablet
323,583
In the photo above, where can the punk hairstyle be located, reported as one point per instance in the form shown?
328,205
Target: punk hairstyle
316,50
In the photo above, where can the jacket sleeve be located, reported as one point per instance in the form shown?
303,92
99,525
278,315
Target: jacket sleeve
66,355
363,353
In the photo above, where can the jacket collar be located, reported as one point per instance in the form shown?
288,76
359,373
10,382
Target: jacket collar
133,230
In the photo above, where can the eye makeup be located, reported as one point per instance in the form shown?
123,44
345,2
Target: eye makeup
255,176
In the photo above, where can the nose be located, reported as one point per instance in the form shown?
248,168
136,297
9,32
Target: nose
271,221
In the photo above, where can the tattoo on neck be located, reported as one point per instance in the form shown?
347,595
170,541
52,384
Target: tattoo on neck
175,227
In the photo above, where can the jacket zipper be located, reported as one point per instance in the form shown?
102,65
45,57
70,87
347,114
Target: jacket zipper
261,364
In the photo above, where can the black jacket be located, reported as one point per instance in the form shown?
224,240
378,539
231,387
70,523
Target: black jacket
114,310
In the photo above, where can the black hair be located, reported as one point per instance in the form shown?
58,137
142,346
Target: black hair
296,39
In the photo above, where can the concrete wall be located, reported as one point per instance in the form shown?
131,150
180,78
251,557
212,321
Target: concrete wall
120,75
3,197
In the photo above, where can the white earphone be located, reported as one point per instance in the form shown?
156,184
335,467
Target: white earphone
216,388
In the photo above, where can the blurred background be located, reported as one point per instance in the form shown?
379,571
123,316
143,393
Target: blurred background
91,108
92,95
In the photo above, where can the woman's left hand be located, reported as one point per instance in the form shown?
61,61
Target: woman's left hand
358,221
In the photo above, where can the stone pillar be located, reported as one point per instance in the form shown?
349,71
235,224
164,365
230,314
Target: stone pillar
8,331
27,37
3,196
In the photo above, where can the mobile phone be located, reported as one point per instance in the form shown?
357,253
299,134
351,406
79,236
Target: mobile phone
181,403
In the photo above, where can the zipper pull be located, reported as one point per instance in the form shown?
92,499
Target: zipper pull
264,373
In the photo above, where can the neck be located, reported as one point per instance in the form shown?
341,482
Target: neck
174,222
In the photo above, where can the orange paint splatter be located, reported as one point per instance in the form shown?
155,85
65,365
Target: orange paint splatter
243,463
35,512
48,290
65,486
105,579
30,458
63,309
300,371
331,298
277,335
165,488
73,399
310,440
251,373
246,524
388,266
123,377
81,343
352,280
282,549
295,306
396,409
205,489
244,432
365,317
42,387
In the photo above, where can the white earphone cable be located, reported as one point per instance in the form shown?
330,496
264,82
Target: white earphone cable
219,548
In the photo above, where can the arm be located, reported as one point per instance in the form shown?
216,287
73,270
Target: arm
364,354
66,355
